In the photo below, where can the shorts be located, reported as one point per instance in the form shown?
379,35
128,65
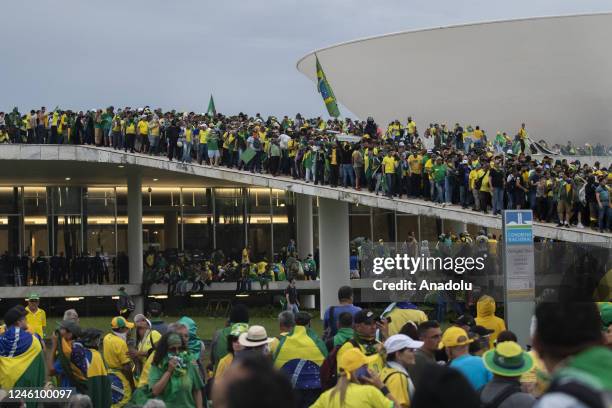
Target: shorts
214,154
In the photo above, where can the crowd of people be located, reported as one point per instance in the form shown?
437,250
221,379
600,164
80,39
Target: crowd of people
458,165
398,358
60,269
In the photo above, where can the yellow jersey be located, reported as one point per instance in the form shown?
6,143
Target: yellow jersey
37,321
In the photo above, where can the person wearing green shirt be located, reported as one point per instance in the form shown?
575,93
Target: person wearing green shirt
438,172
107,120
174,376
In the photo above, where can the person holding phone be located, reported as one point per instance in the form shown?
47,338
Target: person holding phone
358,386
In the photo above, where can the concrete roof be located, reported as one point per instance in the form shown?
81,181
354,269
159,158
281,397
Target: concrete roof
553,73
43,162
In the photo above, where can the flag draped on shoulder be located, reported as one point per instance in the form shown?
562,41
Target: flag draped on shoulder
300,355
98,382
326,92
22,362
211,107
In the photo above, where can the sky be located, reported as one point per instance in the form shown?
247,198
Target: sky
84,54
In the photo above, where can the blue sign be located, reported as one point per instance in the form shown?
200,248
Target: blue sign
518,227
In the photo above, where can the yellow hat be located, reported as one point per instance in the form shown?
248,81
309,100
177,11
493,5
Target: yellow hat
353,358
120,322
454,336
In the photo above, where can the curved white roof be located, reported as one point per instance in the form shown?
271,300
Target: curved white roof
553,73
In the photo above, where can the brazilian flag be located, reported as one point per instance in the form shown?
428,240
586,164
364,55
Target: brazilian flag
326,92
22,362
300,355
98,381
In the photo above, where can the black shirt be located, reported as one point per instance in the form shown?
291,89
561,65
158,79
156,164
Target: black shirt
292,292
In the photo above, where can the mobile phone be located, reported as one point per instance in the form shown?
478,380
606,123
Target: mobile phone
362,372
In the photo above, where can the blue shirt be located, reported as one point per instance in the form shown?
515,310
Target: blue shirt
604,196
338,310
354,262
473,369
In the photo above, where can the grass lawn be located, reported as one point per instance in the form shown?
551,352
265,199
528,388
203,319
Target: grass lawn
206,325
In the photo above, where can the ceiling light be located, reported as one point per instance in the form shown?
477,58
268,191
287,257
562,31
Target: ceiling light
197,295
155,179
121,166
67,179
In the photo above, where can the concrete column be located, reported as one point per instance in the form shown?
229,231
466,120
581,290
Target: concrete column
333,250
171,229
303,213
135,234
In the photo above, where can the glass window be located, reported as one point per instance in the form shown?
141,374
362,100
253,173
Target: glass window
431,228
10,200
284,222
99,205
259,219
229,218
407,225
384,224
197,219
9,235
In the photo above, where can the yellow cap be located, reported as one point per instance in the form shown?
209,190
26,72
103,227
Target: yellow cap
120,322
353,358
454,336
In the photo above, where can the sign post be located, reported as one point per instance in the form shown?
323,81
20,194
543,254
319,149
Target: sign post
519,272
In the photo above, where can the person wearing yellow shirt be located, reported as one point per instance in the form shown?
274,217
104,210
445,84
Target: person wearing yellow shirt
478,137
522,134
233,346
154,128
364,326
415,163
187,142
117,358
357,386
485,188
400,357
35,316
203,140
130,133
146,340
411,129
116,135
142,130
389,165
475,179
62,129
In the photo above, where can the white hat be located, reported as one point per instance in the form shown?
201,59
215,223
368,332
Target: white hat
399,342
254,337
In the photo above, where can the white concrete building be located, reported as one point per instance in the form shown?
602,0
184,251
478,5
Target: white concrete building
552,73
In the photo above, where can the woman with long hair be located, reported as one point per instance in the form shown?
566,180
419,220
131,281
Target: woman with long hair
174,376
357,386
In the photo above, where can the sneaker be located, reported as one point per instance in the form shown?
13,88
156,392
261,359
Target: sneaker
560,224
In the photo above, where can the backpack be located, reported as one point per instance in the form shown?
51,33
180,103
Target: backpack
329,369
478,182
328,334
501,397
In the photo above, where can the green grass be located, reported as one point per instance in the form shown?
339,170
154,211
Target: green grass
206,325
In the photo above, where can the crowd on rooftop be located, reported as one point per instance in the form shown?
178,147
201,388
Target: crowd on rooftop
460,165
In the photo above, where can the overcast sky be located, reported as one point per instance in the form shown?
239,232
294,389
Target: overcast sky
174,54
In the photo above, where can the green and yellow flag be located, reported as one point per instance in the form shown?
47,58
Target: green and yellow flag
22,362
326,92
300,343
211,107
98,382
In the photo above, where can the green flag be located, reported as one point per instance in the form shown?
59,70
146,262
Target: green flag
211,107
326,92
